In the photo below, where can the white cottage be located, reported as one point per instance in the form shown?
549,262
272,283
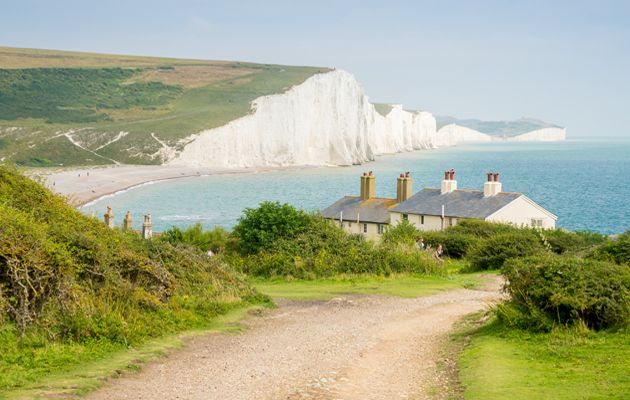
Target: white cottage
435,209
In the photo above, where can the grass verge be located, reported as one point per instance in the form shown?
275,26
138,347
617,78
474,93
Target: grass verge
402,285
502,363
75,369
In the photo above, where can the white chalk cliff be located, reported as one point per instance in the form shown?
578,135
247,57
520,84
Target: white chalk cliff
327,120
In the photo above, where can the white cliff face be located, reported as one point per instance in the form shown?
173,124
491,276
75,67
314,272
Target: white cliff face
327,120
542,135
450,135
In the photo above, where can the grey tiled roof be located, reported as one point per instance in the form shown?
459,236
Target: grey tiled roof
372,210
459,203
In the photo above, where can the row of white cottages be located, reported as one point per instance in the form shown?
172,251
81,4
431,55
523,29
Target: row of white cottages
434,209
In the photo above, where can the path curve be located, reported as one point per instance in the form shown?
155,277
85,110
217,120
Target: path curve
352,347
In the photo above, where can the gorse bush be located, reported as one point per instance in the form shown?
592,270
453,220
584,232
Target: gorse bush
549,290
71,277
492,252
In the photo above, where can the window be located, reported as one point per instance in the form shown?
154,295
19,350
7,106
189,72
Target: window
537,223
422,220
381,229
364,228
450,221
406,217
349,224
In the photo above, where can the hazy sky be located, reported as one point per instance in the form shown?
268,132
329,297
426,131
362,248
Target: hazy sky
566,62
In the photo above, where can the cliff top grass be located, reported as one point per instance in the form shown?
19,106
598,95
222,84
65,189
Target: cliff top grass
69,108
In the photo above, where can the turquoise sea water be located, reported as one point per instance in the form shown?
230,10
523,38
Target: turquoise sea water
586,183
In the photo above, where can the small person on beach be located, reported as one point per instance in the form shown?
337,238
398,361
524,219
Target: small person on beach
438,253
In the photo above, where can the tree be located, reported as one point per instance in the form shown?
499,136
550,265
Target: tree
260,227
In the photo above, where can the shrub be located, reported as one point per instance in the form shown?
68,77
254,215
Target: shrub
325,250
565,242
216,239
480,229
454,244
404,232
617,250
68,277
492,252
260,227
548,290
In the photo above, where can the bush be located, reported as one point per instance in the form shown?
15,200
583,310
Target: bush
260,227
565,242
548,290
216,239
404,232
492,252
325,250
615,250
68,277
480,229
454,244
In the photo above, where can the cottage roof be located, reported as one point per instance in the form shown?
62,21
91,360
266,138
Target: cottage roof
458,203
374,210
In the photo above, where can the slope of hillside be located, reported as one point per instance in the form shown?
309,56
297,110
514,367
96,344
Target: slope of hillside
497,128
67,108
72,289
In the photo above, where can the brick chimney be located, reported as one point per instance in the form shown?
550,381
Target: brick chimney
109,217
404,187
449,183
127,222
147,227
368,186
492,186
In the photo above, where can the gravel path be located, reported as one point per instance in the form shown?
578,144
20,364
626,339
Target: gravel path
354,347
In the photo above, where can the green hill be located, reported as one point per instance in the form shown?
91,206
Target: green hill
70,108
497,128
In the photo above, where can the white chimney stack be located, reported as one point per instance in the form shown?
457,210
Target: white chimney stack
449,183
492,187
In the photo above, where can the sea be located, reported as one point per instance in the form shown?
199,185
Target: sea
585,182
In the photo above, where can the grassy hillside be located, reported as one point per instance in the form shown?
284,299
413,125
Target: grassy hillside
497,128
73,291
69,108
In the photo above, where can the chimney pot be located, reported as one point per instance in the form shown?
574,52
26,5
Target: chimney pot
452,174
489,176
496,177
446,174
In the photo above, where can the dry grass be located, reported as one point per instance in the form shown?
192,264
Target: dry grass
192,76
13,58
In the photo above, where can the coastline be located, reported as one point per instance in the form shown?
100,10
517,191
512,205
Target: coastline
86,185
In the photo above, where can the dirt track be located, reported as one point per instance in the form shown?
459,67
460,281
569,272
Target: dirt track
354,347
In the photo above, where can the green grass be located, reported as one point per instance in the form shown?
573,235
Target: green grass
511,364
383,108
43,93
402,285
56,369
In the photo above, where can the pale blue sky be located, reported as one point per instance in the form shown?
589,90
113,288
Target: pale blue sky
567,62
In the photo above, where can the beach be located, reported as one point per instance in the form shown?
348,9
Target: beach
83,185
